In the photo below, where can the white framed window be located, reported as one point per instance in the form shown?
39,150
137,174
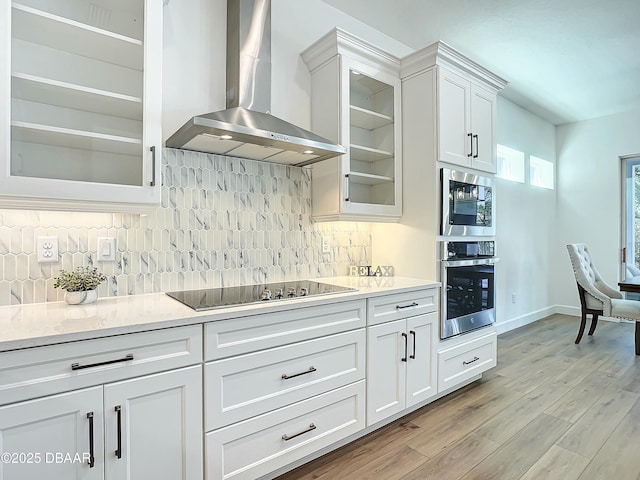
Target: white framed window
540,172
510,164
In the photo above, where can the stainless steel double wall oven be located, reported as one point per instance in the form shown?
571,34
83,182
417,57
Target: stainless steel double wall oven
467,257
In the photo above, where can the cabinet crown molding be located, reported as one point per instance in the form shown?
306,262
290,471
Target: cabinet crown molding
338,42
439,53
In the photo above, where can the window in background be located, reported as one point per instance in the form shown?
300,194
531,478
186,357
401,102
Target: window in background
540,172
510,164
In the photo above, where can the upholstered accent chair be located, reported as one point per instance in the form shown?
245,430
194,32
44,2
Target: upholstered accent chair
597,297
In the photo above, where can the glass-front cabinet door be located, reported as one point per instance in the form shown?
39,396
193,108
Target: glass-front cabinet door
371,173
356,102
82,89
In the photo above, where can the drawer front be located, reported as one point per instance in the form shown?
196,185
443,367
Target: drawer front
401,305
242,387
460,363
35,372
258,332
256,447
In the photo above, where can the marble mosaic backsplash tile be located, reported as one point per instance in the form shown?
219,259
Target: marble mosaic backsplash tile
223,221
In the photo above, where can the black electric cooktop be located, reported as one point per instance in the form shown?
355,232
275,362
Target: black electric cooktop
210,298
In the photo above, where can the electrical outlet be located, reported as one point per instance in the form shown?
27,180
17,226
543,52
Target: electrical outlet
326,245
513,297
47,248
106,249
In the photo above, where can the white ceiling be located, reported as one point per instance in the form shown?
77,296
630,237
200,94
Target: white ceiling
565,60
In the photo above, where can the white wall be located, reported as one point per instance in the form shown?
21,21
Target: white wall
194,57
589,196
526,223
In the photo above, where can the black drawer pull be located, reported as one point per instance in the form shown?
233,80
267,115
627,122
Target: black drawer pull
400,307
286,437
118,451
92,458
475,359
404,359
287,377
413,334
77,366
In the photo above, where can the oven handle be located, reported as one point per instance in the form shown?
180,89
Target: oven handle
471,261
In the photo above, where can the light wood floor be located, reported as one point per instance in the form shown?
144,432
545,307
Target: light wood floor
550,410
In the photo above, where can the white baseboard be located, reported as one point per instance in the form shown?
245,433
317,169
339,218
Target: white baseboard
523,320
567,310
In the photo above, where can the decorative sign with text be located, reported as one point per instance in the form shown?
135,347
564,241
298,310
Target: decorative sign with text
369,271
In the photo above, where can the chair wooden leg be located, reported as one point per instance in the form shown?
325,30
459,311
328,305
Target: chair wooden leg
594,322
637,338
583,322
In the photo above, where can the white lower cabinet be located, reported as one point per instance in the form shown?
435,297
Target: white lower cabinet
153,427
260,445
401,370
147,427
294,384
125,407
52,437
463,360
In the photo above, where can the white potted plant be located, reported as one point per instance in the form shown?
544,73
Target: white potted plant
80,284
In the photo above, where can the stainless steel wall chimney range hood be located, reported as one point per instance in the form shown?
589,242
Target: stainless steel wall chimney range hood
244,129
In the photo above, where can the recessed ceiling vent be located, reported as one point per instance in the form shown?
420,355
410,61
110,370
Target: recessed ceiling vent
246,129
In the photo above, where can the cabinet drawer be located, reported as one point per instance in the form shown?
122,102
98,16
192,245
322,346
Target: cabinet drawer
463,361
39,371
258,332
241,387
255,447
401,305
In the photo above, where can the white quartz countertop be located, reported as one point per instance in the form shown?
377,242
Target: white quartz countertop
37,324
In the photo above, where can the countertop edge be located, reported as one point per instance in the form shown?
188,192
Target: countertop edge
21,326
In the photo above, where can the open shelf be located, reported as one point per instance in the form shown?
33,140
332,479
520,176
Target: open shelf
368,119
76,139
77,97
368,154
365,85
368,179
44,28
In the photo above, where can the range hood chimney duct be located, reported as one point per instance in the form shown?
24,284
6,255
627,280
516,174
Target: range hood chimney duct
245,128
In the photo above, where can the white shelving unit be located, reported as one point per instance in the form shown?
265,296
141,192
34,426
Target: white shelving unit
356,102
83,94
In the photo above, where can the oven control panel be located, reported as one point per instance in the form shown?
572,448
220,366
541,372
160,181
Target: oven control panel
467,250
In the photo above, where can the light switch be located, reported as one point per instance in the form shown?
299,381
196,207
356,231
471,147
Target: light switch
106,249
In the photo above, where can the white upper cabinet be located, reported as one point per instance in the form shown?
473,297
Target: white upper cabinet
467,117
81,87
355,101
465,105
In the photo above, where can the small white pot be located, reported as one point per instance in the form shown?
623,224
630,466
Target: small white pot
81,298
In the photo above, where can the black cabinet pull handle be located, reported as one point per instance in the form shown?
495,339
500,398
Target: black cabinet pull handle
77,366
476,155
153,166
118,410
470,144
346,187
287,377
475,359
400,307
406,341
286,437
92,458
413,334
